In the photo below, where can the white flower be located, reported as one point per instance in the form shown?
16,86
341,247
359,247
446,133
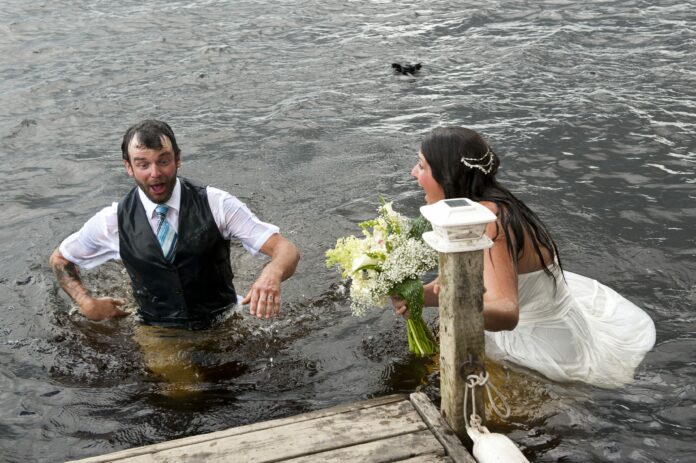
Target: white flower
362,261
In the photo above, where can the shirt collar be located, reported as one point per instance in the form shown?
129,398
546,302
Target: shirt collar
174,201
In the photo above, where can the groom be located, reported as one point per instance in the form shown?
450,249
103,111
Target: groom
174,240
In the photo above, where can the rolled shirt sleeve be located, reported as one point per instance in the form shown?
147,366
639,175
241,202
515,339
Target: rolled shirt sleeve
235,220
96,242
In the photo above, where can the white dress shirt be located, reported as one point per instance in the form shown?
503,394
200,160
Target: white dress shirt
97,241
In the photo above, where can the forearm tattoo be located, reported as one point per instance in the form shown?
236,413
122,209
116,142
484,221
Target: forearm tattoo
68,277
67,273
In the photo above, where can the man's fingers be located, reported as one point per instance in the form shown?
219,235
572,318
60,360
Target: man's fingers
264,303
253,301
116,303
272,304
261,309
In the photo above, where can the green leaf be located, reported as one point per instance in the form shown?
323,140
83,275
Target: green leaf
368,224
369,267
412,292
419,226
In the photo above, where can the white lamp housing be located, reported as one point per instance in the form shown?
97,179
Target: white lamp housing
458,225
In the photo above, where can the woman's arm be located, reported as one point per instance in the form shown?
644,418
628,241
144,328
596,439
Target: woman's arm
432,293
500,304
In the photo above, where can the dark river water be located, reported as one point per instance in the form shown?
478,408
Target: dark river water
293,107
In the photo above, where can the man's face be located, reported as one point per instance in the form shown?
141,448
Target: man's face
154,170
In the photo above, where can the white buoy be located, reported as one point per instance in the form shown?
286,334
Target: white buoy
491,447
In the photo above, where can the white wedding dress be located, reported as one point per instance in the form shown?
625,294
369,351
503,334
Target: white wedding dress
576,330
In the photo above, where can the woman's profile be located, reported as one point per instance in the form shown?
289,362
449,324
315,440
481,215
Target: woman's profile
566,326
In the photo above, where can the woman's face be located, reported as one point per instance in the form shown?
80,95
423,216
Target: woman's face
421,171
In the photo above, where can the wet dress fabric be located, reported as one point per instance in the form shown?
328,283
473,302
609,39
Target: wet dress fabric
574,330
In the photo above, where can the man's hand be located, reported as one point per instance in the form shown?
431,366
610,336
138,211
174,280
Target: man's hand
69,279
264,295
102,308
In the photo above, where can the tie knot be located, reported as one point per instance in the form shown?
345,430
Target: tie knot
161,210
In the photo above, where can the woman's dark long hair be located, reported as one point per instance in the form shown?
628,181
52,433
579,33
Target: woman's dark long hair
445,149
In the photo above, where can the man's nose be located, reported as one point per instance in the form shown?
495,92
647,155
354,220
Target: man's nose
413,171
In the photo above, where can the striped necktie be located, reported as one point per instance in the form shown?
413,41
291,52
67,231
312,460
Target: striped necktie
166,235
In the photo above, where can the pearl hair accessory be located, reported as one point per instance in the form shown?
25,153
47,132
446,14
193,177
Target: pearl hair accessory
484,163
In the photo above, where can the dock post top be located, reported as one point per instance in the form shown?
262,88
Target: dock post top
458,225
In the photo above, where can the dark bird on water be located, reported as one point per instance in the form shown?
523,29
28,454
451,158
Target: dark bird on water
406,69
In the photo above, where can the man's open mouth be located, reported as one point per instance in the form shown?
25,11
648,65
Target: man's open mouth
159,188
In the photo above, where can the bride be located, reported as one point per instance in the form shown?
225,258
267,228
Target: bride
566,326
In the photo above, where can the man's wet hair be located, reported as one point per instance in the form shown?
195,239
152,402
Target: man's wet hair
149,133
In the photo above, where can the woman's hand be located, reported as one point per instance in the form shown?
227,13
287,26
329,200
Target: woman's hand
400,307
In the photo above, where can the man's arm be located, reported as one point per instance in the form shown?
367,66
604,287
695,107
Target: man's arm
264,295
93,308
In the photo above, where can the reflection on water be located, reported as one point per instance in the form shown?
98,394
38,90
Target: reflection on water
296,110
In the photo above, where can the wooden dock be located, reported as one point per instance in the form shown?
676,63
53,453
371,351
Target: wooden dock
385,429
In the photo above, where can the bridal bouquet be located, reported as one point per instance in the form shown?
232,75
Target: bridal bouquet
388,261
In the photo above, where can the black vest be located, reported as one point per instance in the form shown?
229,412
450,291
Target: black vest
197,287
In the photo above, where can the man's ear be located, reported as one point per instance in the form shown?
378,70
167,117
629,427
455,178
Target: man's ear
128,166
178,161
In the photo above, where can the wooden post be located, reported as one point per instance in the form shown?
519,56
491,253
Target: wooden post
458,227
461,333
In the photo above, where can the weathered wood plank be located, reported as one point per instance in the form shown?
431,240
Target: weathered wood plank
440,429
317,414
395,448
432,458
299,438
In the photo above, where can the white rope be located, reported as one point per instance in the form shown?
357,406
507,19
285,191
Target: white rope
474,421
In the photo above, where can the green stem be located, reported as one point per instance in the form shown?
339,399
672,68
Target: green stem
420,340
